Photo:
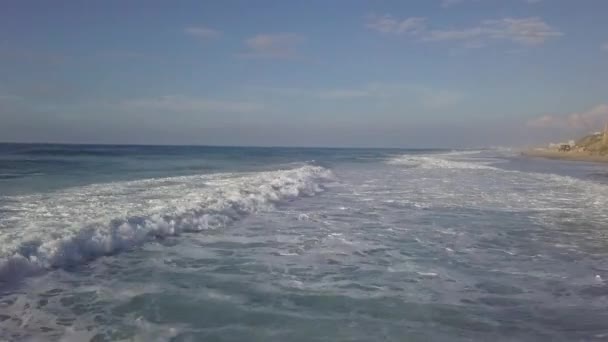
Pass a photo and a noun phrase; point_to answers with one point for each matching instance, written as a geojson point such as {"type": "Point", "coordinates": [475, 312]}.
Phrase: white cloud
{"type": "Point", "coordinates": [592, 119]}
{"type": "Point", "coordinates": [523, 31]}
{"type": "Point", "coordinates": [604, 47]}
{"type": "Point", "coordinates": [274, 45]}
{"type": "Point", "coordinates": [181, 103]}
{"type": "Point", "coordinates": [531, 31]}
{"type": "Point", "coordinates": [463, 34]}
{"type": "Point", "coordinates": [202, 32]}
{"type": "Point", "coordinates": [388, 24]}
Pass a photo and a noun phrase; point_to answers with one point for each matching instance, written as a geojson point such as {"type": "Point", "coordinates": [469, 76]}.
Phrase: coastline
{"type": "Point", "coordinates": [571, 155]}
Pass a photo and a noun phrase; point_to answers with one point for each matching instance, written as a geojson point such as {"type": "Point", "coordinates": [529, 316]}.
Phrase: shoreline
{"type": "Point", "coordinates": [572, 155]}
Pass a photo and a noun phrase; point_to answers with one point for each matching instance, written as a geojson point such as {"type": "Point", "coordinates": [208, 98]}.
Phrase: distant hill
{"type": "Point", "coordinates": [592, 143]}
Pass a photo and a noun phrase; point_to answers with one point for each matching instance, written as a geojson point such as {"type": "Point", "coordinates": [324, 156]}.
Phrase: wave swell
{"type": "Point", "coordinates": [55, 230]}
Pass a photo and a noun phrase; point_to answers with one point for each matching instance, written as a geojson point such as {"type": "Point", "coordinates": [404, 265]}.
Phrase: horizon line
{"type": "Point", "coordinates": [234, 146]}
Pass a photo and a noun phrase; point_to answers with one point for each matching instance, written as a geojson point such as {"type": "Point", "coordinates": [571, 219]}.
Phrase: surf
{"type": "Point", "coordinates": [73, 226]}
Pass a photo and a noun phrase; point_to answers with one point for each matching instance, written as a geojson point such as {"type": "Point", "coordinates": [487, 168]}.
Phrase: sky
{"type": "Point", "coordinates": [427, 73]}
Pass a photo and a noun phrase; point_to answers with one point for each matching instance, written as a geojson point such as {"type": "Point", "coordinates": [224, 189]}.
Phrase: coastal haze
{"type": "Point", "coordinates": [319, 171]}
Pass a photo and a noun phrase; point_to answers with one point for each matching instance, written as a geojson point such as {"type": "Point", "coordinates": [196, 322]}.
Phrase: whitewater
{"type": "Point", "coordinates": [72, 226]}
{"type": "Point", "coordinates": [134, 243]}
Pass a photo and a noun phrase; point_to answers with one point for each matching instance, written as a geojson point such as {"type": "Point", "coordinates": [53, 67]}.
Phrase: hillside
{"type": "Point", "coordinates": [592, 143]}
{"type": "Point", "coordinates": [590, 148]}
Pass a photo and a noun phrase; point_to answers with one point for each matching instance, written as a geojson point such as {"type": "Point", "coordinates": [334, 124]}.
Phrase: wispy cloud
{"type": "Point", "coordinates": [388, 24]}
{"type": "Point", "coordinates": [451, 3]}
{"type": "Point", "coordinates": [202, 32]}
{"type": "Point", "coordinates": [375, 92]}
{"type": "Point", "coordinates": [527, 31]}
{"type": "Point", "coordinates": [594, 118]}
{"type": "Point", "coordinates": [181, 103]}
{"type": "Point", "coordinates": [524, 31]}
{"type": "Point", "coordinates": [273, 45]}
{"type": "Point", "coordinates": [604, 47]}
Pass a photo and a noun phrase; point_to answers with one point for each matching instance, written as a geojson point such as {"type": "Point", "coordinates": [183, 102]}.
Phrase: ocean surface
{"type": "Point", "coordinates": [150, 243]}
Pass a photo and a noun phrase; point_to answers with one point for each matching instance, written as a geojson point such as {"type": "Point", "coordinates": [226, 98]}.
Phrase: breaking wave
{"type": "Point", "coordinates": [438, 162]}
{"type": "Point", "coordinates": [55, 230]}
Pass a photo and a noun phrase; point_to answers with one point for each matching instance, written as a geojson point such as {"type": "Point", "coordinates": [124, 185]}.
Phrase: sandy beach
{"type": "Point", "coordinates": [571, 155]}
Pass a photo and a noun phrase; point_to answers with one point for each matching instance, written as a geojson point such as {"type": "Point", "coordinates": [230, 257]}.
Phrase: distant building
{"type": "Point", "coordinates": [562, 146]}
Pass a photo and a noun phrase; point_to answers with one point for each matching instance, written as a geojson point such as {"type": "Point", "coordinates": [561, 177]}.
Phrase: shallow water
{"type": "Point", "coordinates": [233, 244]}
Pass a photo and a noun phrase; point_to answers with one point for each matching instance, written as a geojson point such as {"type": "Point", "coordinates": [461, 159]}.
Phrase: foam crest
{"type": "Point", "coordinates": [69, 227]}
{"type": "Point", "coordinates": [436, 162]}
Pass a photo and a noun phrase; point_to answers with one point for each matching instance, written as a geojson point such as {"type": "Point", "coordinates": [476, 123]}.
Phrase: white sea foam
{"type": "Point", "coordinates": [63, 228]}
{"type": "Point", "coordinates": [437, 162]}
{"type": "Point", "coordinates": [500, 189]}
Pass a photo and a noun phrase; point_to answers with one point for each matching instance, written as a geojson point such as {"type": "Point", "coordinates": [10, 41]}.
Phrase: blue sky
{"type": "Point", "coordinates": [422, 73]}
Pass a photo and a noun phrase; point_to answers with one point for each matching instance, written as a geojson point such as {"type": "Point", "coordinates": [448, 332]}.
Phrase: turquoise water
{"type": "Point", "coordinates": [132, 243]}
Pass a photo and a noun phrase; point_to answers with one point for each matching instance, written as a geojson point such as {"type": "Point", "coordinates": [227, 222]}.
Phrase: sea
{"type": "Point", "coordinates": [194, 243]}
